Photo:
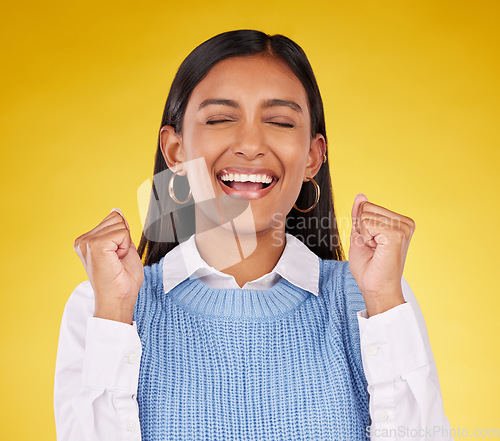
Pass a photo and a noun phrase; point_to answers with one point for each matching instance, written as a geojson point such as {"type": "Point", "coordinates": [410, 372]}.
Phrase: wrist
{"type": "Point", "coordinates": [382, 303]}
{"type": "Point", "coordinates": [115, 314]}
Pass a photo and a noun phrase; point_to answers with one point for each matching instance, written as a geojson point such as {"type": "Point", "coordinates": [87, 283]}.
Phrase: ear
{"type": "Point", "coordinates": [171, 148]}
{"type": "Point", "coordinates": [315, 155]}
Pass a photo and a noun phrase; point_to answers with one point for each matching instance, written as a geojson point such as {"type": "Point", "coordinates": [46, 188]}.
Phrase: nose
{"type": "Point", "coordinates": [250, 142]}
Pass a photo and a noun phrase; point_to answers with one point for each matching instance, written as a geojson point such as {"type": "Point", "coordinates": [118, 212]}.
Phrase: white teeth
{"type": "Point", "coordinates": [244, 178]}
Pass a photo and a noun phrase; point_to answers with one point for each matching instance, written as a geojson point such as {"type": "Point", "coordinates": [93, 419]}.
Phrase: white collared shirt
{"type": "Point", "coordinates": [97, 367]}
{"type": "Point", "coordinates": [185, 261]}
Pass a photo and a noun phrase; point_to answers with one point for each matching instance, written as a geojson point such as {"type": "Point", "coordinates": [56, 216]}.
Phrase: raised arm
{"type": "Point", "coordinates": [96, 376]}
{"type": "Point", "coordinates": [405, 395]}
{"type": "Point", "coordinates": [99, 350]}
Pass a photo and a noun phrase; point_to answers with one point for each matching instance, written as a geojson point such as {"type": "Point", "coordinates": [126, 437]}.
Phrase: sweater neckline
{"type": "Point", "coordinates": [237, 304]}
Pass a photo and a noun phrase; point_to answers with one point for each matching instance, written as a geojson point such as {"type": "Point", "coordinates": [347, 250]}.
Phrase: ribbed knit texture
{"type": "Point", "coordinates": [239, 364]}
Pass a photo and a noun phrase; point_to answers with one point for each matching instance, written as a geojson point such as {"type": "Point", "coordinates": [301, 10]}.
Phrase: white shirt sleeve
{"type": "Point", "coordinates": [405, 395]}
{"type": "Point", "coordinates": [96, 375]}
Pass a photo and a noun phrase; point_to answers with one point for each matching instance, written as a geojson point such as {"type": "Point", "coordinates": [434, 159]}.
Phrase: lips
{"type": "Point", "coordinates": [248, 183]}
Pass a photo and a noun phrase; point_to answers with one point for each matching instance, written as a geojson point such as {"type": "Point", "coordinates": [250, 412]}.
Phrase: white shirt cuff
{"type": "Point", "coordinates": [391, 344]}
{"type": "Point", "coordinates": [112, 355]}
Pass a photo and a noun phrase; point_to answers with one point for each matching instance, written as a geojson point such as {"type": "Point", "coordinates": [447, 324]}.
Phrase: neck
{"type": "Point", "coordinates": [244, 255]}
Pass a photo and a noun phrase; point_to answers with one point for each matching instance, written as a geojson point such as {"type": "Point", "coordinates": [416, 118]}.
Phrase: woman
{"type": "Point", "coordinates": [246, 322]}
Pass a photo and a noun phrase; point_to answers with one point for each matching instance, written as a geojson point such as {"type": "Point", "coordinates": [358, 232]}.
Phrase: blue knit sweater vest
{"type": "Point", "coordinates": [240, 364]}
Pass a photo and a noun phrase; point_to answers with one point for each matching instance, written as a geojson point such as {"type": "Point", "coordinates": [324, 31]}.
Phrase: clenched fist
{"type": "Point", "coordinates": [113, 265]}
{"type": "Point", "coordinates": [379, 243]}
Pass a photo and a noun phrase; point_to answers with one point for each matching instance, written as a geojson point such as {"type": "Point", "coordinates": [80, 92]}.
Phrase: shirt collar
{"type": "Point", "coordinates": [297, 264]}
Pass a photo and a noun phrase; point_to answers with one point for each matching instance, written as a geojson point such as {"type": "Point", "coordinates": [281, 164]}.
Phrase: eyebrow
{"type": "Point", "coordinates": [266, 104]}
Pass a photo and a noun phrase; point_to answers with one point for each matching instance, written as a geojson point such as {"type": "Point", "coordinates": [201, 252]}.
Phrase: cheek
{"type": "Point", "coordinates": [198, 145]}
{"type": "Point", "coordinates": [292, 182]}
{"type": "Point", "coordinates": [294, 163]}
{"type": "Point", "coordinates": [294, 159]}
{"type": "Point", "coordinates": [293, 188]}
{"type": "Point", "coordinates": [290, 145]}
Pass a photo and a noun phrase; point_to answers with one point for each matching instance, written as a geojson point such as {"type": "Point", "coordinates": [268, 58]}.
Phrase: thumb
{"type": "Point", "coordinates": [360, 197]}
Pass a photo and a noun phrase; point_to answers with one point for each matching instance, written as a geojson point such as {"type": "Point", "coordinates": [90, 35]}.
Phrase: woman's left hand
{"type": "Point", "coordinates": [377, 253]}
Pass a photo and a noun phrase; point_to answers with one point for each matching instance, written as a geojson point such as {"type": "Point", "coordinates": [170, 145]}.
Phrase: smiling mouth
{"type": "Point", "coordinates": [249, 186]}
{"type": "Point", "coordinates": [244, 182]}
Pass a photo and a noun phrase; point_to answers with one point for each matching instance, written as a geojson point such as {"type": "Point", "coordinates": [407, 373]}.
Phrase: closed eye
{"type": "Point", "coordinates": [286, 125]}
{"type": "Point", "coordinates": [218, 121]}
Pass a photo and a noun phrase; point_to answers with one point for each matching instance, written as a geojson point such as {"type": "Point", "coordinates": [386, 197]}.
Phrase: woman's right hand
{"type": "Point", "coordinates": [113, 265]}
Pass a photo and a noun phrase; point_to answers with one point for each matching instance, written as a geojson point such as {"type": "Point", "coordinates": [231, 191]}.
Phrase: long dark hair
{"type": "Point", "coordinates": [317, 228]}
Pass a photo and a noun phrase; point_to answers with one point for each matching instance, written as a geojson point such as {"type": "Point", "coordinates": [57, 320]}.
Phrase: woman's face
{"type": "Point", "coordinates": [249, 120]}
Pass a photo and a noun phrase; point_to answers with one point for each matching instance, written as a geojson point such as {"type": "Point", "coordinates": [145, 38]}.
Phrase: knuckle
{"type": "Point", "coordinates": [396, 222]}
{"type": "Point", "coordinates": [409, 221]}
{"type": "Point", "coordinates": [79, 242]}
{"type": "Point", "coordinates": [400, 234]}
{"type": "Point", "coordinates": [407, 228]}
{"type": "Point", "coordinates": [92, 242]}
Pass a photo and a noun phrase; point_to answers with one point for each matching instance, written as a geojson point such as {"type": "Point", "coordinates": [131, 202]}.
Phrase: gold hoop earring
{"type": "Point", "coordinates": [171, 190]}
{"type": "Point", "coordinates": [316, 188]}
{"type": "Point", "coordinates": [324, 159]}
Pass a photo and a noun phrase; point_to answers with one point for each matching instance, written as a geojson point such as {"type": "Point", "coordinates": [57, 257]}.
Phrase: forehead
{"type": "Point", "coordinates": [257, 77]}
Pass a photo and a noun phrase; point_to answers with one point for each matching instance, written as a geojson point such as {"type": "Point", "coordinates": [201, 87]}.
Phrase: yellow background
{"type": "Point", "coordinates": [411, 94]}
